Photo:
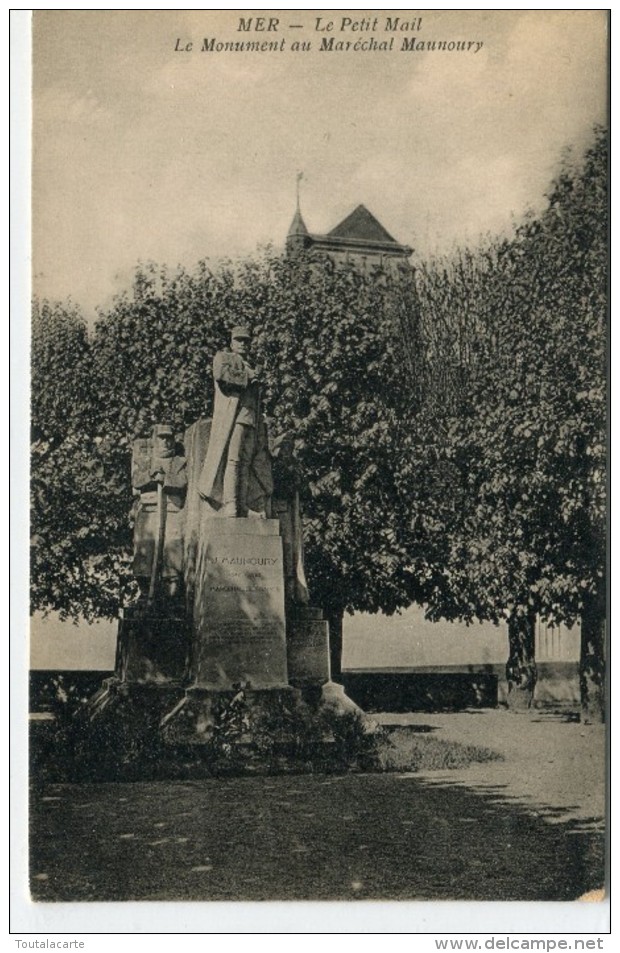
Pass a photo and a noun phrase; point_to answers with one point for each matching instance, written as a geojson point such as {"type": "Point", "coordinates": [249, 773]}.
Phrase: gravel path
{"type": "Point", "coordinates": [553, 766]}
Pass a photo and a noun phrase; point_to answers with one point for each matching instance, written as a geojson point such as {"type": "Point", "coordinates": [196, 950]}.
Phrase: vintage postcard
{"type": "Point", "coordinates": [318, 466]}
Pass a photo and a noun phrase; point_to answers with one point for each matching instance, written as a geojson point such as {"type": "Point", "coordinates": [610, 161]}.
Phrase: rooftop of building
{"type": "Point", "coordinates": [359, 231]}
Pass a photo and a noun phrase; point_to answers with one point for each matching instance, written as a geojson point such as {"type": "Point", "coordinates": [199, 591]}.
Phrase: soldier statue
{"type": "Point", "coordinates": [236, 475]}
{"type": "Point", "coordinates": [159, 480]}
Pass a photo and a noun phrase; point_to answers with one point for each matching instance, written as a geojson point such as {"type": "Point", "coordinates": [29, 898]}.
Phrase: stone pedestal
{"type": "Point", "coordinates": [307, 643]}
{"type": "Point", "coordinates": [239, 636]}
{"type": "Point", "coordinates": [242, 683]}
{"type": "Point", "coordinates": [151, 649]}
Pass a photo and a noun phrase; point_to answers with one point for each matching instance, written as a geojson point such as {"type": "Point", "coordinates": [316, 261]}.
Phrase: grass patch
{"type": "Point", "coordinates": [405, 750]}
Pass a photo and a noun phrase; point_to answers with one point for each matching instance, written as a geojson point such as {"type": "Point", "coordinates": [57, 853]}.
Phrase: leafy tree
{"type": "Point", "coordinates": [522, 429]}
{"type": "Point", "coordinates": [332, 345]}
{"type": "Point", "coordinates": [74, 554]}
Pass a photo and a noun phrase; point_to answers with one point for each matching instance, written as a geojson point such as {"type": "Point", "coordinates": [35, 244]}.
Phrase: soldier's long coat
{"type": "Point", "coordinates": [231, 376]}
{"type": "Point", "coordinates": [225, 410]}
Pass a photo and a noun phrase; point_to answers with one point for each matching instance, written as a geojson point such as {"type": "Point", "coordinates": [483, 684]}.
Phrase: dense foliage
{"type": "Point", "coordinates": [519, 330]}
{"type": "Point", "coordinates": [451, 425]}
{"type": "Point", "coordinates": [77, 550]}
{"type": "Point", "coordinates": [329, 344]}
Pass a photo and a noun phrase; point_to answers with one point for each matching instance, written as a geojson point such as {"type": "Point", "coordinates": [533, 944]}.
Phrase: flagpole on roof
{"type": "Point", "coordinates": [300, 176]}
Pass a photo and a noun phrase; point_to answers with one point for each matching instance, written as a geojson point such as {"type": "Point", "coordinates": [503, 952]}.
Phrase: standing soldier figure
{"type": "Point", "coordinates": [159, 480]}
{"type": "Point", "coordinates": [236, 475]}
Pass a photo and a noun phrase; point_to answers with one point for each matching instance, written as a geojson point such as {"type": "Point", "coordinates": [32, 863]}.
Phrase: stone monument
{"type": "Point", "coordinates": [153, 636]}
{"type": "Point", "coordinates": [224, 606]}
{"type": "Point", "coordinates": [237, 606]}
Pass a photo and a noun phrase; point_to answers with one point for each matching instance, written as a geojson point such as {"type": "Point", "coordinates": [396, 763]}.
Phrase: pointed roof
{"type": "Point", "coordinates": [358, 235]}
{"type": "Point", "coordinates": [361, 225]}
{"type": "Point", "coordinates": [298, 226]}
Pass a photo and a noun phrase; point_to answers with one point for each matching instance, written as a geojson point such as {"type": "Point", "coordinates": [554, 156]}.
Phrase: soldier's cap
{"type": "Point", "coordinates": [161, 430]}
{"type": "Point", "coordinates": [240, 331]}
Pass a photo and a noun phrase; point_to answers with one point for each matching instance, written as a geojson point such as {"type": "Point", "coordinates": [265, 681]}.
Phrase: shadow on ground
{"type": "Point", "coordinates": [381, 836]}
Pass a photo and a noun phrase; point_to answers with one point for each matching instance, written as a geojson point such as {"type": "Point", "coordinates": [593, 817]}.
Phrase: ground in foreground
{"type": "Point", "coordinates": [390, 836]}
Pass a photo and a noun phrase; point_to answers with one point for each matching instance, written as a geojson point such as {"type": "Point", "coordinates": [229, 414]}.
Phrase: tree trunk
{"type": "Point", "coordinates": [334, 619]}
{"type": "Point", "coordinates": [592, 660]}
{"type": "Point", "coordinates": [521, 671]}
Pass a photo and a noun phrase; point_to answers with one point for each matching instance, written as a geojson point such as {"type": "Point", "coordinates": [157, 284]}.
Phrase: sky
{"type": "Point", "coordinates": [144, 152]}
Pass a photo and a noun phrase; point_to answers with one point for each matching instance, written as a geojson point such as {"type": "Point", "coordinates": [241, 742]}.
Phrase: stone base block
{"type": "Point", "coordinates": [132, 732]}
{"type": "Point", "coordinates": [229, 717]}
{"type": "Point", "coordinates": [334, 698]}
{"type": "Point", "coordinates": [133, 703]}
{"type": "Point", "coordinates": [151, 649]}
{"type": "Point", "coordinates": [307, 647]}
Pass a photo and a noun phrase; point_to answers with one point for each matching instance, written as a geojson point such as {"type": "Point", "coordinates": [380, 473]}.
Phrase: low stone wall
{"type": "Point", "coordinates": [414, 691]}
{"type": "Point", "coordinates": [557, 687]}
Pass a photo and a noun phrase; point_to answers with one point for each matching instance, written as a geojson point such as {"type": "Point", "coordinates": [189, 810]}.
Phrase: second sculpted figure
{"type": "Point", "coordinates": [236, 477]}
{"type": "Point", "coordinates": [159, 479]}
